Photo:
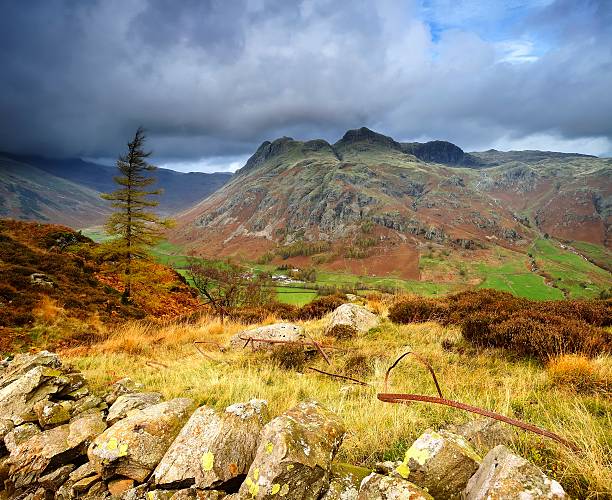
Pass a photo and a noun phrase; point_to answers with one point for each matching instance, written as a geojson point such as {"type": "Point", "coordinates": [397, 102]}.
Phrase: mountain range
{"type": "Point", "coordinates": [378, 202]}
{"type": "Point", "coordinates": [67, 191]}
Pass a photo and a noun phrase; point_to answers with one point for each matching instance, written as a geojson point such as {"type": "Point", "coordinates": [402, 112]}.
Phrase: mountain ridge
{"type": "Point", "coordinates": [307, 191]}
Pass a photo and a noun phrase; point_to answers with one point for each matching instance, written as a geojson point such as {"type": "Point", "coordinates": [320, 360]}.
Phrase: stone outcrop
{"type": "Point", "coordinates": [349, 320]}
{"type": "Point", "coordinates": [214, 449]}
{"type": "Point", "coordinates": [278, 331]}
{"type": "Point", "coordinates": [504, 476]}
{"type": "Point", "coordinates": [60, 441]}
{"type": "Point", "coordinates": [379, 487]}
{"type": "Point", "coordinates": [134, 446]}
{"type": "Point", "coordinates": [440, 462]}
{"type": "Point", "coordinates": [127, 403]}
{"type": "Point", "coordinates": [295, 454]}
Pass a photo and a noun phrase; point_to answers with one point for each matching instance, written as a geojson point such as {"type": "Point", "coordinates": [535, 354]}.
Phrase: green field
{"type": "Point", "coordinates": [561, 273]}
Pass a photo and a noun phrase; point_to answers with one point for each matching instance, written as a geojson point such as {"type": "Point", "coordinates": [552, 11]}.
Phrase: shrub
{"type": "Point", "coordinates": [289, 357]}
{"type": "Point", "coordinates": [357, 365]}
{"type": "Point", "coordinates": [320, 307]}
{"type": "Point", "coordinates": [418, 310]}
{"type": "Point", "coordinates": [342, 332]}
{"type": "Point", "coordinates": [579, 373]}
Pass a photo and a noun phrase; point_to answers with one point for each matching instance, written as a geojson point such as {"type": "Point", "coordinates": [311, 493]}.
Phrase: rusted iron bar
{"type": "Point", "coordinates": [156, 364]}
{"type": "Point", "coordinates": [421, 360]}
{"type": "Point", "coordinates": [197, 348]}
{"type": "Point", "coordinates": [406, 398]}
{"type": "Point", "coordinates": [357, 381]}
{"type": "Point", "coordinates": [297, 342]}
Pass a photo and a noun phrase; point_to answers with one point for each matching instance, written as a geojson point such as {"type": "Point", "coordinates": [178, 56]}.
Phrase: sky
{"type": "Point", "coordinates": [211, 79]}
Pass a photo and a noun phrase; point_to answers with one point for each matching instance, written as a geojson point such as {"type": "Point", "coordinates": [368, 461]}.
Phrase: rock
{"type": "Point", "coordinates": [213, 448]}
{"type": "Point", "coordinates": [124, 386]}
{"type": "Point", "coordinates": [42, 280]}
{"type": "Point", "coordinates": [278, 331]}
{"type": "Point", "coordinates": [117, 487]}
{"type": "Point", "coordinates": [484, 434]}
{"type": "Point", "coordinates": [20, 434]}
{"type": "Point", "coordinates": [85, 404]}
{"type": "Point", "coordinates": [51, 414]}
{"type": "Point", "coordinates": [345, 482]}
{"type": "Point", "coordinates": [134, 446]}
{"type": "Point", "coordinates": [17, 399]}
{"type": "Point", "coordinates": [6, 426]}
{"type": "Point", "coordinates": [97, 491]}
{"type": "Point", "coordinates": [128, 402]}
{"type": "Point", "coordinates": [55, 479]}
{"type": "Point", "coordinates": [503, 475]}
{"type": "Point", "coordinates": [379, 487]}
{"type": "Point", "coordinates": [349, 320]}
{"type": "Point", "coordinates": [51, 448]}
{"type": "Point", "coordinates": [386, 467]}
{"type": "Point", "coordinates": [294, 455]}
{"type": "Point", "coordinates": [440, 462]}
{"type": "Point", "coordinates": [75, 382]}
{"type": "Point", "coordinates": [23, 363]}
{"type": "Point", "coordinates": [84, 484]}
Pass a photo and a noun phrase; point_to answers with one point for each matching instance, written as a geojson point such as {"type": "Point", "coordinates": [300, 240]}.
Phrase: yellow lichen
{"type": "Point", "coordinates": [284, 490]}
{"type": "Point", "coordinates": [419, 455]}
{"type": "Point", "coordinates": [290, 466]}
{"type": "Point", "coordinates": [256, 474]}
{"type": "Point", "coordinates": [275, 488]}
{"type": "Point", "coordinates": [207, 461]}
{"type": "Point", "coordinates": [123, 449]}
{"type": "Point", "coordinates": [111, 444]}
{"type": "Point", "coordinates": [269, 448]}
{"type": "Point", "coordinates": [254, 489]}
{"type": "Point", "coordinates": [403, 470]}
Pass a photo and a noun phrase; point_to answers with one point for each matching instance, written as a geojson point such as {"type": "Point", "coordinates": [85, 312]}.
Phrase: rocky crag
{"type": "Point", "coordinates": [368, 191]}
{"type": "Point", "coordinates": [60, 440]}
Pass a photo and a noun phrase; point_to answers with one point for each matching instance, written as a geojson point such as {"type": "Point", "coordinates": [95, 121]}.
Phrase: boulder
{"type": "Point", "coordinates": [6, 426]}
{"type": "Point", "coordinates": [213, 449]}
{"type": "Point", "coordinates": [47, 450]}
{"type": "Point", "coordinates": [345, 481]}
{"type": "Point", "coordinates": [440, 462]}
{"type": "Point", "coordinates": [504, 476]}
{"type": "Point", "coordinates": [117, 487]}
{"type": "Point", "coordinates": [23, 363]}
{"type": "Point", "coordinates": [123, 386]}
{"type": "Point", "coordinates": [484, 434]}
{"type": "Point", "coordinates": [349, 320]}
{"type": "Point", "coordinates": [51, 414]}
{"type": "Point", "coordinates": [278, 331]}
{"type": "Point", "coordinates": [294, 455]}
{"type": "Point", "coordinates": [55, 479]}
{"type": "Point", "coordinates": [17, 398]}
{"type": "Point", "coordinates": [129, 402]}
{"type": "Point", "coordinates": [379, 487]}
{"type": "Point", "coordinates": [20, 434]}
{"type": "Point", "coordinates": [134, 446]}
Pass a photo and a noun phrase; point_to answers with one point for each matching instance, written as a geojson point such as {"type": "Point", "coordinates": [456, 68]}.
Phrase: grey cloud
{"type": "Point", "coordinates": [214, 79]}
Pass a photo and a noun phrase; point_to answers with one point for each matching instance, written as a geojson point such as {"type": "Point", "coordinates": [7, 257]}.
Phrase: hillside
{"type": "Point", "coordinates": [372, 205]}
{"type": "Point", "coordinates": [66, 191]}
{"type": "Point", "coordinates": [29, 193]}
{"type": "Point", "coordinates": [55, 288]}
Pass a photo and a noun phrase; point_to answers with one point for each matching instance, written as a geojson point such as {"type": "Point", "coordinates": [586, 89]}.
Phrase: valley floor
{"type": "Point", "coordinates": [164, 359]}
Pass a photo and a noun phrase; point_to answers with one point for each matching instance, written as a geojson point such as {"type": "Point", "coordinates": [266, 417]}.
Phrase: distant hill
{"type": "Point", "coordinates": [29, 193]}
{"type": "Point", "coordinates": [377, 203]}
{"type": "Point", "coordinates": [67, 191]}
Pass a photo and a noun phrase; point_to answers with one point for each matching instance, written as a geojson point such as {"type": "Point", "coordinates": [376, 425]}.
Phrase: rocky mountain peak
{"type": "Point", "coordinates": [436, 152]}
{"type": "Point", "coordinates": [365, 135]}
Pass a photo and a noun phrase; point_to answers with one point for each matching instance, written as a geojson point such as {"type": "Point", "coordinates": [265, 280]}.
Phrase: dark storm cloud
{"type": "Point", "coordinates": [212, 78]}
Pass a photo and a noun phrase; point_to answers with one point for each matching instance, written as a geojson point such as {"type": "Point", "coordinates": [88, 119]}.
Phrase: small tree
{"type": "Point", "coordinates": [229, 286]}
{"type": "Point", "coordinates": [133, 226]}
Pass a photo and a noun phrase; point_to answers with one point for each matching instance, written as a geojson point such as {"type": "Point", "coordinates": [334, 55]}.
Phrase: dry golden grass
{"type": "Point", "coordinates": [581, 374]}
{"type": "Point", "coordinates": [376, 430]}
{"type": "Point", "coordinates": [47, 311]}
